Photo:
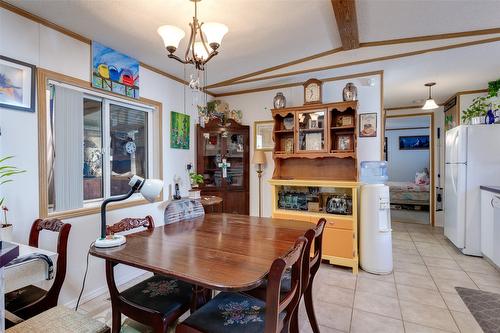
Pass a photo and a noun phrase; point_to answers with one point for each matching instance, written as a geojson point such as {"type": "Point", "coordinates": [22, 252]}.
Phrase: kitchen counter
{"type": "Point", "coordinates": [494, 189]}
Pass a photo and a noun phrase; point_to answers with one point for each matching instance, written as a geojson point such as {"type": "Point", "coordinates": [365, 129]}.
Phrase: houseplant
{"type": "Point", "coordinates": [196, 180]}
{"type": "Point", "coordinates": [6, 173]}
{"type": "Point", "coordinates": [476, 112]}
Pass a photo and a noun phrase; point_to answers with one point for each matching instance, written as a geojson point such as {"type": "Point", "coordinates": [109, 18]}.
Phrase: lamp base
{"type": "Point", "coordinates": [115, 240]}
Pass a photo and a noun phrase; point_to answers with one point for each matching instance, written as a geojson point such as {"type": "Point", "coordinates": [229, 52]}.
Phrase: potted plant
{"type": "Point", "coordinates": [6, 173]}
{"type": "Point", "coordinates": [476, 112]}
{"type": "Point", "coordinates": [196, 180]}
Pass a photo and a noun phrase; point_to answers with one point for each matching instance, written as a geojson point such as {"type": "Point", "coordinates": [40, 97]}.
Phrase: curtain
{"type": "Point", "coordinates": [68, 149]}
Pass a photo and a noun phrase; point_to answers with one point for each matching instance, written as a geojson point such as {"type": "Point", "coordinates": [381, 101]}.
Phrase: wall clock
{"type": "Point", "coordinates": [312, 91]}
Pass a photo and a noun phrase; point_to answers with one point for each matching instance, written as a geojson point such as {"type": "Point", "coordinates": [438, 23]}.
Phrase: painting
{"type": "Point", "coordinates": [367, 125]}
{"type": "Point", "coordinates": [17, 85]}
{"type": "Point", "coordinates": [263, 135]}
{"type": "Point", "coordinates": [414, 142]}
{"type": "Point", "coordinates": [114, 71]}
{"type": "Point", "coordinates": [179, 130]}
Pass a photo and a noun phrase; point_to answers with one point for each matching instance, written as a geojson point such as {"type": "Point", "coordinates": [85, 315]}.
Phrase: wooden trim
{"type": "Point", "coordinates": [382, 117]}
{"type": "Point", "coordinates": [366, 44]}
{"type": "Point", "coordinates": [296, 84]}
{"type": "Point", "coordinates": [43, 76]}
{"type": "Point", "coordinates": [467, 92]}
{"type": "Point", "coordinates": [159, 71]}
{"type": "Point", "coordinates": [432, 191]}
{"type": "Point", "coordinates": [347, 23]}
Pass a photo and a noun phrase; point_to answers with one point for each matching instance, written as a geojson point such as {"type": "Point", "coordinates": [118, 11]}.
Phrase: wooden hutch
{"type": "Point", "coordinates": [315, 175]}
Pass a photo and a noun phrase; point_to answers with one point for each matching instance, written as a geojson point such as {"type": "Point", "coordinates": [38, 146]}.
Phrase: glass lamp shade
{"type": "Point", "coordinates": [259, 157]}
{"type": "Point", "coordinates": [214, 32]}
{"type": "Point", "coordinates": [199, 51]}
{"type": "Point", "coordinates": [171, 35]}
{"type": "Point", "coordinates": [430, 104]}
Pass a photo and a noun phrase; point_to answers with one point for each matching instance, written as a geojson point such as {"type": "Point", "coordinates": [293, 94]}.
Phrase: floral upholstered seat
{"type": "Point", "coordinates": [159, 293]}
{"type": "Point", "coordinates": [183, 209]}
{"type": "Point", "coordinates": [230, 312]}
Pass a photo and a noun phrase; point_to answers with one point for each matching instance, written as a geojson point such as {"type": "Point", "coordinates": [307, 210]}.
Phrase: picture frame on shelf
{"type": "Point", "coordinates": [367, 125]}
{"type": "Point", "coordinates": [314, 141]}
{"type": "Point", "coordinates": [289, 145]}
{"type": "Point", "coordinates": [344, 143]}
{"type": "Point", "coordinates": [344, 121]}
{"type": "Point", "coordinates": [263, 135]}
{"type": "Point", "coordinates": [17, 83]}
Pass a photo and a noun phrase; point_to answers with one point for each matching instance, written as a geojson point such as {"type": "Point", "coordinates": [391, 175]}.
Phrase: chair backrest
{"type": "Point", "coordinates": [130, 223]}
{"type": "Point", "coordinates": [184, 209]}
{"type": "Point", "coordinates": [276, 302]}
{"type": "Point", "coordinates": [54, 225]}
{"type": "Point", "coordinates": [315, 261]}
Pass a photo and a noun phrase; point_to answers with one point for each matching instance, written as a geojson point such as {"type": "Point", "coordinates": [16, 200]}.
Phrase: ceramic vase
{"type": "Point", "coordinates": [279, 101]}
{"type": "Point", "coordinates": [6, 232]}
{"type": "Point", "coordinates": [350, 92]}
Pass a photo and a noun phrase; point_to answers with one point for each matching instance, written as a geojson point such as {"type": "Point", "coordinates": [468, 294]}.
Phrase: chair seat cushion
{"type": "Point", "coordinates": [286, 282]}
{"type": "Point", "coordinates": [230, 312]}
{"type": "Point", "coordinates": [160, 293]}
{"type": "Point", "coordinates": [59, 320]}
{"type": "Point", "coordinates": [19, 298]}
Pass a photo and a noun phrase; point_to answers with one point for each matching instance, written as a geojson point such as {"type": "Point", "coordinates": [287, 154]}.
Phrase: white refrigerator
{"type": "Point", "coordinates": [472, 159]}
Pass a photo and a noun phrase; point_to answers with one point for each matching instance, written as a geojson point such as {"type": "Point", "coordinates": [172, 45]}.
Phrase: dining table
{"type": "Point", "coordinates": [225, 252]}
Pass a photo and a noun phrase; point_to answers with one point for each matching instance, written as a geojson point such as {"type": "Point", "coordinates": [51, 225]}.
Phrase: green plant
{"type": "Point", "coordinates": [196, 179]}
{"type": "Point", "coordinates": [478, 108]}
{"type": "Point", "coordinates": [493, 88]}
{"type": "Point", "coordinates": [6, 173]}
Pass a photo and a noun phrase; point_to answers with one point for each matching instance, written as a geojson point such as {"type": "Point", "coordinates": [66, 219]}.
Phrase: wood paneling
{"type": "Point", "coordinates": [347, 23]}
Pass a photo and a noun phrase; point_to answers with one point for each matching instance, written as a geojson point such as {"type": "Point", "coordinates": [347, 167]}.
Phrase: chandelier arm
{"type": "Point", "coordinates": [190, 46]}
{"type": "Point", "coordinates": [213, 54]}
{"type": "Point", "coordinates": [173, 56]}
{"type": "Point", "coordinates": [203, 41]}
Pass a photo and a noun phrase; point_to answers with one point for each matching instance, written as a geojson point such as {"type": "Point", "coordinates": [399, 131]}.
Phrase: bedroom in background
{"type": "Point", "coordinates": [408, 147]}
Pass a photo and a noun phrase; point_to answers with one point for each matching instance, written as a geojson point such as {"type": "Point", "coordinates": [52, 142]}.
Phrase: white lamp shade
{"type": "Point", "coordinates": [430, 104]}
{"type": "Point", "coordinates": [214, 32]}
{"type": "Point", "coordinates": [151, 189]}
{"type": "Point", "coordinates": [199, 51]}
{"type": "Point", "coordinates": [171, 35]}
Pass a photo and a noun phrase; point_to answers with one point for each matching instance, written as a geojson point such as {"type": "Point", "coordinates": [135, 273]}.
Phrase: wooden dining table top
{"type": "Point", "coordinates": [225, 252]}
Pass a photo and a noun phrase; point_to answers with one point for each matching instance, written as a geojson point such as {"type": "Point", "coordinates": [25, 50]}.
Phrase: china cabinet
{"type": "Point", "coordinates": [223, 160]}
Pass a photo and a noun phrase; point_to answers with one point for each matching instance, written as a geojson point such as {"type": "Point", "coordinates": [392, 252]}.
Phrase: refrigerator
{"type": "Point", "coordinates": [472, 159]}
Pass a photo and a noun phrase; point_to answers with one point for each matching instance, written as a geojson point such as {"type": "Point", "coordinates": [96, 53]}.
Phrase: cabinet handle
{"type": "Point", "coordinates": [331, 223]}
{"type": "Point", "coordinates": [492, 200]}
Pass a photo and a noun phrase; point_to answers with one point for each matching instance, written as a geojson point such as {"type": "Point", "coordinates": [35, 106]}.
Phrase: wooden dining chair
{"type": "Point", "coordinates": [31, 300]}
{"type": "Point", "coordinates": [238, 312]}
{"type": "Point", "coordinates": [156, 302]}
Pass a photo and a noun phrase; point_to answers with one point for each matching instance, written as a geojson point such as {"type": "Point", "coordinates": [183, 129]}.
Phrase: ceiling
{"type": "Point", "coordinates": [266, 33]}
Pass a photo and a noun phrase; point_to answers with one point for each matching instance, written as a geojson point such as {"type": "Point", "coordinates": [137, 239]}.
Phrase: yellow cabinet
{"type": "Point", "coordinates": [340, 238]}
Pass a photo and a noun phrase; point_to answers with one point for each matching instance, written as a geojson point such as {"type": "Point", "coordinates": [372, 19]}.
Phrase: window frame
{"type": "Point", "coordinates": [154, 136]}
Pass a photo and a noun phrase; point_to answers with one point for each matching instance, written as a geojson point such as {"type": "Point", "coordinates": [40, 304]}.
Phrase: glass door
{"type": "Point", "coordinates": [311, 131]}
{"type": "Point", "coordinates": [212, 158]}
{"type": "Point", "coordinates": [234, 159]}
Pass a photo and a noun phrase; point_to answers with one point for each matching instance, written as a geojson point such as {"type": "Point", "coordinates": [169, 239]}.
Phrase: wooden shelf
{"type": "Point", "coordinates": [342, 127]}
{"type": "Point", "coordinates": [314, 155]}
{"type": "Point", "coordinates": [311, 130]}
{"type": "Point", "coordinates": [284, 131]}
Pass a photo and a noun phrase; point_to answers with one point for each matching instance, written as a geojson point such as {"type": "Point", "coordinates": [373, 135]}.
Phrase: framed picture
{"type": "Point", "coordinates": [289, 145]}
{"type": "Point", "coordinates": [314, 141]}
{"type": "Point", "coordinates": [263, 135]}
{"type": "Point", "coordinates": [17, 85]}
{"type": "Point", "coordinates": [415, 142]}
{"type": "Point", "coordinates": [180, 125]}
{"type": "Point", "coordinates": [344, 142]}
{"type": "Point", "coordinates": [346, 120]}
{"type": "Point", "coordinates": [367, 125]}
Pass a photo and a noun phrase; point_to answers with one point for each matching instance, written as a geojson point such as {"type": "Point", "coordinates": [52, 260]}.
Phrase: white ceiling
{"type": "Point", "coordinates": [265, 33]}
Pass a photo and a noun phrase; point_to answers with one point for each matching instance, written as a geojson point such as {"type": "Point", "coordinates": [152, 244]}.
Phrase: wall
{"type": "Point", "coordinates": [28, 41]}
{"type": "Point", "coordinates": [256, 107]}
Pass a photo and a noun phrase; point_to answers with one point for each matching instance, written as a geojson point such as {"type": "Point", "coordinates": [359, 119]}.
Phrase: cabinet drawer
{"type": "Point", "coordinates": [338, 243]}
{"type": "Point", "coordinates": [297, 217]}
{"type": "Point", "coordinates": [338, 223]}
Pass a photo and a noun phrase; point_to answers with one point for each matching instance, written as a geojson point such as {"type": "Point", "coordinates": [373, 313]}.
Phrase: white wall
{"type": "Point", "coordinates": [403, 164]}
{"type": "Point", "coordinates": [28, 41]}
{"type": "Point", "coordinates": [256, 107]}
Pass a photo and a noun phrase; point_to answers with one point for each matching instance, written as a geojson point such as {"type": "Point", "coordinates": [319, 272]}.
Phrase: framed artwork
{"type": "Point", "coordinates": [17, 85]}
{"type": "Point", "coordinates": [367, 125]}
{"type": "Point", "coordinates": [414, 142]}
{"type": "Point", "coordinates": [114, 71]}
{"type": "Point", "coordinates": [289, 145]}
{"type": "Point", "coordinates": [344, 142]}
{"type": "Point", "coordinates": [314, 141]}
{"type": "Point", "coordinates": [180, 125]}
{"type": "Point", "coordinates": [263, 135]}
{"type": "Point", "coordinates": [344, 121]}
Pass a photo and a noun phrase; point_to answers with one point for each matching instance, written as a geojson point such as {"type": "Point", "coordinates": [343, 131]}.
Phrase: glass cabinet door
{"type": "Point", "coordinates": [235, 159]}
{"type": "Point", "coordinates": [212, 157]}
{"type": "Point", "coordinates": [311, 131]}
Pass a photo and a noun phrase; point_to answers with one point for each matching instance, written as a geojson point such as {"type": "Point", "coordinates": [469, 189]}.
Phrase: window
{"type": "Point", "coordinates": [94, 145]}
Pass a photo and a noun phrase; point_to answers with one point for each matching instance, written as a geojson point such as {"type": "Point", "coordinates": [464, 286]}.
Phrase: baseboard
{"type": "Point", "coordinates": [89, 295]}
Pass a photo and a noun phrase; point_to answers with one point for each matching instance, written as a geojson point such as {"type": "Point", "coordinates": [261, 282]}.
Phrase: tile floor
{"type": "Point", "coordinates": [418, 297]}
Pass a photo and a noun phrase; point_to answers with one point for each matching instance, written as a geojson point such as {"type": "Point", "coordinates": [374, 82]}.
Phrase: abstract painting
{"type": "Point", "coordinates": [17, 85]}
{"type": "Point", "coordinates": [114, 71]}
{"type": "Point", "coordinates": [415, 142]}
{"type": "Point", "coordinates": [179, 130]}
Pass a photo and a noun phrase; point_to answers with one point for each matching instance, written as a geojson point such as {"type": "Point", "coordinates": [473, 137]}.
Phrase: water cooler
{"type": "Point", "coordinates": [375, 239]}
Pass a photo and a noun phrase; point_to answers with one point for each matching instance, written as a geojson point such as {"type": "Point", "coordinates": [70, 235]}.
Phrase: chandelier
{"type": "Point", "coordinates": [203, 43]}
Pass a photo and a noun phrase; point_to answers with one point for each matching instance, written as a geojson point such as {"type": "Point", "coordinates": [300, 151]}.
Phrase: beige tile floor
{"type": "Point", "coordinates": [418, 297]}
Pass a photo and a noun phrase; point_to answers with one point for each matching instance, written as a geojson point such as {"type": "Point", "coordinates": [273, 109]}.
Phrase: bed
{"type": "Point", "coordinates": [409, 194]}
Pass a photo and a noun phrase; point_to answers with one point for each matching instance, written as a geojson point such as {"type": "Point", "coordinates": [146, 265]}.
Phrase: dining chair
{"type": "Point", "coordinates": [183, 209]}
{"type": "Point", "coordinates": [157, 301]}
{"type": "Point", "coordinates": [31, 300]}
{"type": "Point", "coordinates": [311, 267]}
{"type": "Point", "coordinates": [238, 312]}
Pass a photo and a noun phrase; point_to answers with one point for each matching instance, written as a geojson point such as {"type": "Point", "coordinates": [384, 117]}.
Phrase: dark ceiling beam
{"type": "Point", "coordinates": [347, 23]}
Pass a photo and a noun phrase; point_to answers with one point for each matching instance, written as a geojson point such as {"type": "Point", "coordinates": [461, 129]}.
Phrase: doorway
{"type": "Point", "coordinates": [409, 152]}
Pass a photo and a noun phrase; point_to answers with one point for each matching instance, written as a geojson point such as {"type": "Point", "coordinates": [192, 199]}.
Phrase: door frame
{"type": "Point", "coordinates": [432, 157]}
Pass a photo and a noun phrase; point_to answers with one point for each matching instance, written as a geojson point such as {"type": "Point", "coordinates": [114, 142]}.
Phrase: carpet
{"type": "Point", "coordinates": [484, 306]}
